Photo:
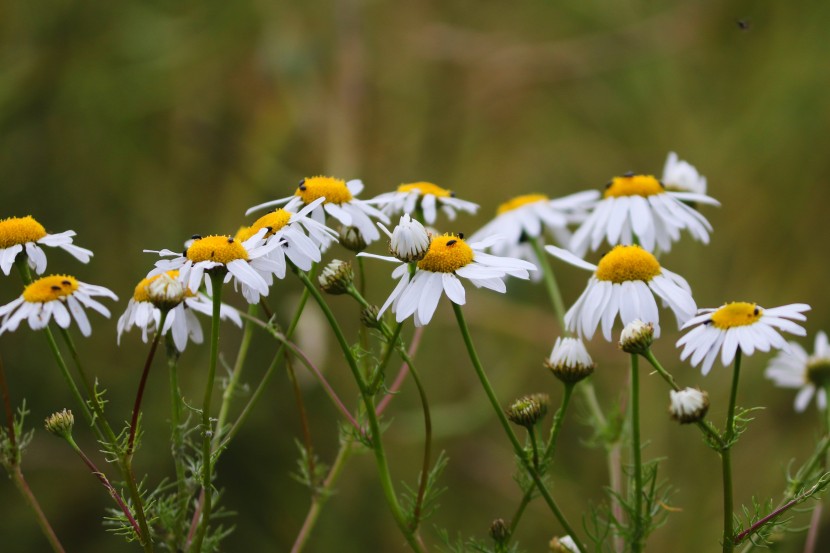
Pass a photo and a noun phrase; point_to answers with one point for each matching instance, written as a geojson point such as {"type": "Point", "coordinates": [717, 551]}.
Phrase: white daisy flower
{"type": "Point", "coordinates": [165, 290]}
{"type": "Point", "coordinates": [18, 234]}
{"type": "Point", "coordinates": [640, 206]}
{"type": "Point", "coordinates": [681, 176]}
{"type": "Point", "coordinates": [448, 258]}
{"type": "Point", "coordinates": [625, 281]}
{"type": "Point", "coordinates": [247, 263]}
{"type": "Point", "coordinates": [300, 237]}
{"type": "Point", "coordinates": [409, 240]}
{"type": "Point", "coordinates": [738, 325]}
{"type": "Point", "coordinates": [423, 196]}
{"type": "Point", "coordinates": [340, 202]}
{"type": "Point", "coordinates": [60, 296]}
{"type": "Point", "coordinates": [797, 369]}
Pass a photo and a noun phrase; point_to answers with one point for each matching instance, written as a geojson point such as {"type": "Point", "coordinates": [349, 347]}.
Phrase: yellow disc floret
{"type": "Point", "coordinates": [274, 221]}
{"type": "Point", "coordinates": [628, 263]}
{"type": "Point", "coordinates": [520, 201]}
{"type": "Point", "coordinates": [333, 190]}
{"type": "Point", "coordinates": [426, 188]}
{"type": "Point", "coordinates": [50, 288]}
{"type": "Point", "coordinates": [244, 233]}
{"type": "Point", "coordinates": [446, 254]}
{"type": "Point", "coordinates": [634, 185]}
{"type": "Point", "coordinates": [221, 249]}
{"type": "Point", "coordinates": [141, 289]}
{"type": "Point", "coordinates": [19, 230]}
{"type": "Point", "coordinates": [737, 313]}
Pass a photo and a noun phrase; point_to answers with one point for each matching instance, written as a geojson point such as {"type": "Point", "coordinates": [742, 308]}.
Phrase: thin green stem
{"type": "Point", "coordinates": [636, 453]}
{"type": "Point", "coordinates": [177, 443]}
{"type": "Point", "coordinates": [236, 373]}
{"type": "Point", "coordinates": [517, 447]}
{"type": "Point", "coordinates": [550, 281]}
{"type": "Point", "coordinates": [7, 407]}
{"type": "Point", "coordinates": [726, 460]}
{"type": "Point", "coordinates": [427, 458]}
{"type": "Point", "coordinates": [306, 428]}
{"type": "Point", "coordinates": [216, 279]}
{"type": "Point", "coordinates": [143, 382]}
{"type": "Point", "coordinates": [531, 431]}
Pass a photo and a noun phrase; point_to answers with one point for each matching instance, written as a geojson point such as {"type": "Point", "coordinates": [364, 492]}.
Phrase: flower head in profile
{"type": "Point", "coordinates": [448, 260]}
{"type": "Point", "coordinates": [424, 197]}
{"type": "Point", "coordinates": [795, 368]}
{"type": "Point", "coordinates": [639, 206]}
{"type": "Point", "coordinates": [61, 297]}
{"type": "Point", "coordinates": [246, 263]}
{"type": "Point", "coordinates": [409, 240]}
{"type": "Point", "coordinates": [625, 282]}
{"type": "Point", "coordinates": [25, 235]}
{"type": "Point", "coordinates": [735, 325]}
{"type": "Point", "coordinates": [299, 237]}
{"type": "Point", "coordinates": [569, 360]}
{"type": "Point", "coordinates": [166, 292]}
{"type": "Point", "coordinates": [688, 405]}
{"type": "Point", "coordinates": [339, 201]}
{"type": "Point", "coordinates": [681, 176]}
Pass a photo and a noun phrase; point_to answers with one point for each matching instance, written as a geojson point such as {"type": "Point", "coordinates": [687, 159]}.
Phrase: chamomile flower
{"type": "Point", "coordinates": [340, 202]}
{"type": "Point", "coordinates": [423, 196]}
{"type": "Point", "coordinates": [409, 240]}
{"type": "Point", "coordinates": [247, 263]}
{"type": "Point", "coordinates": [165, 291]}
{"type": "Point", "coordinates": [300, 237]}
{"type": "Point", "coordinates": [681, 176]}
{"type": "Point", "coordinates": [625, 282]}
{"type": "Point", "coordinates": [797, 369]}
{"type": "Point", "coordinates": [60, 296]}
{"type": "Point", "coordinates": [743, 325]}
{"type": "Point", "coordinates": [448, 258]}
{"type": "Point", "coordinates": [640, 206]}
{"type": "Point", "coordinates": [19, 234]}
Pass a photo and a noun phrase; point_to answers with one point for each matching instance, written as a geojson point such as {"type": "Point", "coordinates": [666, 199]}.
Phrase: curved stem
{"type": "Point", "coordinates": [517, 447]}
{"type": "Point", "coordinates": [638, 534]}
{"type": "Point", "coordinates": [23, 487]}
{"type": "Point", "coordinates": [142, 383]}
{"type": "Point", "coordinates": [726, 459]}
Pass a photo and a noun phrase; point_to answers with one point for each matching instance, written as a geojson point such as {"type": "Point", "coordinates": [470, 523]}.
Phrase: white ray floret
{"type": "Point", "coordinates": [735, 325]}
{"type": "Point", "coordinates": [624, 283]}
{"type": "Point", "coordinates": [795, 368]}
{"type": "Point", "coordinates": [425, 197]}
{"type": "Point", "coordinates": [681, 176]}
{"type": "Point", "coordinates": [25, 235]}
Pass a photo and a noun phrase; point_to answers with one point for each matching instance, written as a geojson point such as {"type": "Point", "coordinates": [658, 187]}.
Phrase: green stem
{"type": "Point", "coordinates": [236, 373]}
{"type": "Point", "coordinates": [177, 443]}
{"type": "Point", "coordinates": [638, 534]}
{"type": "Point", "coordinates": [304, 424]}
{"type": "Point", "coordinates": [143, 382]}
{"type": "Point", "coordinates": [517, 447]}
{"type": "Point", "coordinates": [216, 279]}
{"type": "Point", "coordinates": [726, 460]}
{"type": "Point", "coordinates": [23, 487]}
{"type": "Point", "coordinates": [550, 281]}
{"type": "Point", "coordinates": [374, 426]}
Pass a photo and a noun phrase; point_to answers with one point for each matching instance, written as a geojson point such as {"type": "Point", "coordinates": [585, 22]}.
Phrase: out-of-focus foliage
{"type": "Point", "coordinates": [138, 124]}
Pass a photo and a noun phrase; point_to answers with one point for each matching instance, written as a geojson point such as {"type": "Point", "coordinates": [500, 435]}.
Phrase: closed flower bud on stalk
{"type": "Point", "coordinates": [336, 277]}
{"type": "Point", "coordinates": [528, 410]}
{"type": "Point", "coordinates": [564, 544]}
{"type": "Point", "coordinates": [60, 423]}
{"type": "Point", "coordinates": [369, 316]}
{"type": "Point", "coordinates": [569, 361]}
{"type": "Point", "coordinates": [688, 405]}
{"type": "Point", "coordinates": [165, 292]}
{"type": "Point", "coordinates": [499, 531]}
{"type": "Point", "coordinates": [352, 239]}
{"type": "Point", "coordinates": [409, 241]}
{"type": "Point", "coordinates": [637, 337]}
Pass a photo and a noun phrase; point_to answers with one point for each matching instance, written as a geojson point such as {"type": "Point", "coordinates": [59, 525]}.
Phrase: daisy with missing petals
{"type": "Point", "coordinates": [424, 197]}
{"type": "Point", "coordinates": [811, 373]}
{"type": "Point", "coordinates": [339, 202]}
{"type": "Point", "coordinates": [681, 176]}
{"type": "Point", "coordinates": [448, 258]}
{"type": "Point", "coordinates": [625, 281]}
{"type": "Point", "coordinates": [640, 206]}
{"type": "Point", "coordinates": [743, 325]}
{"type": "Point", "coordinates": [300, 237]}
{"type": "Point", "coordinates": [24, 233]}
{"type": "Point", "coordinates": [60, 296]}
{"type": "Point", "coordinates": [164, 291]}
{"type": "Point", "coordinates": [247, 263]}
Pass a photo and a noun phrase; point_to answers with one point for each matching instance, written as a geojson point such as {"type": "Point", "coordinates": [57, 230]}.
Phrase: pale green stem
{"type": "Point", "coordinates": [236, 373]}
{"type": "Point", "coordinates": [638, 532]}
{"type": "Point", "coordinates": [550, 281]}
{"type": "Point", "coordinates": [726, 460]}
{"type": "Point", "coordinates": [517, 446]}
{"type": "Point", "coordinates": [177, 444]}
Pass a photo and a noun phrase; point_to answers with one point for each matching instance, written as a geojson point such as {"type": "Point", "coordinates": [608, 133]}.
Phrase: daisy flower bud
{"type": "Point", "coordinates": [336, 277]}
{"type": "Point", "coordinates": [409, 241]}
{"type": "Point", "coordinates": [569, 361]}
{"type": "Point", "coordinates": [369, 316]}
{"type": "Point", "coordinates": [60, 423]}
{"type": "Point", "coordinates": [528, 410]}
{"type": "Point", "coordinates": [637, 337]}
{"type": "Point", "coordinates": [165, 292]}
{"type": "Point", "coordinates": [688, 405]}
{"type": "Point", "coordinates": [352, 239]}
{"type": "Point", "coordinates": [564, 544]}
{"type": "Point", "coordinates": [499, 531]}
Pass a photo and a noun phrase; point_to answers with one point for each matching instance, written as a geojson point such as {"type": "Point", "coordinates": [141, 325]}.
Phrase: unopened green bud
{"type": "Point", "coordinates": [352, 239]}
{"type": "Point", "coordinates": [528, 410]}
{"type": "Point", "coordinates": [369, 316]}
{"type": "Point", "coordinates": [336, 277]}
{"type": "Point", "coordinates": [60, 423]}
{"type": "Point", "coordinates": [499, 531]}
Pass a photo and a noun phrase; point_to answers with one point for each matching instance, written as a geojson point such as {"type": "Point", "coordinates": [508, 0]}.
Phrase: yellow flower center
{"type": "Point", "coordinates": [221, 249]}
{"type": "Point", "coordinates": [141, 292]}
{"type": "Point", "coordinates": [333, 190]}
{"type": "Point", "coordinates": [628, 263]}
{"type": "Point", "coordinates": [634, 185]}
{"type": "Point", "coordinates": [274, 220]}
{"type": "Point", "coordinates": [19, 230]}
{"type": "Point", "coordinates": [737, 313]}
{"type": "Point", "coordinates": [446, 254]}
{"type": "Point", "coordinates": [244, 233]}
{"type": "Point", "coordinates": [520, 201]}
{"type": "Point", "coordinates": [50, 288]}
{"type": "Point", "coordinates": [426, 188]}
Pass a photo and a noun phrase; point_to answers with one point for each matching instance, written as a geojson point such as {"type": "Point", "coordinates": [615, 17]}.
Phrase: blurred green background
{"type": "Point", "coordinates": [138, 124]}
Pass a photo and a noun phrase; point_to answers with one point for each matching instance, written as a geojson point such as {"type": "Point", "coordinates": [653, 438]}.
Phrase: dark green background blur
{"type": "Point", "coordinates": [138, 124]}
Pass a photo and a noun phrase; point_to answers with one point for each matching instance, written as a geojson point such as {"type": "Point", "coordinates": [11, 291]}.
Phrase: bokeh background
{"type": "Point", "coordinates": [138, 124]}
